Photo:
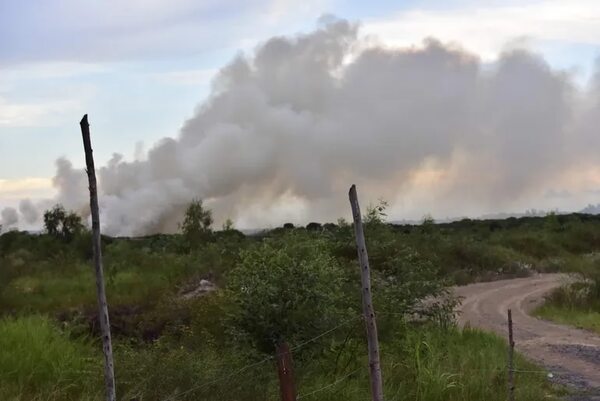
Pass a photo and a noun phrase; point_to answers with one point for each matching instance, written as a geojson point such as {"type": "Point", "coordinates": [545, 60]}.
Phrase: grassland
{"type": "Point", "coordinates": [577, 302]}
{"type": "Point", "coordinates": [216, 347]}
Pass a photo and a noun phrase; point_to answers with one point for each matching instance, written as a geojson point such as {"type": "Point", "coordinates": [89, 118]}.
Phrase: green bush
{"type": "Point", "coordinates": [285, 291]}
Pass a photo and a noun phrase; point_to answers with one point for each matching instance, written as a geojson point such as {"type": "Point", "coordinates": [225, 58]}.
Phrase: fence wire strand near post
{"type": "Point", "coordinates": [273, 357]}
{"type": "Point", "coordinates": [341, 379]}
{"type": "Point", "coordinates": [232, 375]}
{"type": "Point", "coordinates": [315, 338]}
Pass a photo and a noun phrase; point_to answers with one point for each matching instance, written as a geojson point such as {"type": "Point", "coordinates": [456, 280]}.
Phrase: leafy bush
{"type": "Point", "coordinates": [285, 291]}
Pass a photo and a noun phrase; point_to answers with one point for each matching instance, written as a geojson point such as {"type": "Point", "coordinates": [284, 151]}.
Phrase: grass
{"type": "Point", "coordinates": [40, 362]}
{"type": "Point", "coordinates": [166, 348]}
{"type": "Point", "coordinates": [576, 303]}
{"type": "Point", "coordinates": [135, 278]}
{"type": "Point", "coordinates": [49, 291]}
{"type": "Point", "coordinates": [581, 318]}
{"type": "Point", "coordinates": [464, 365]}
{"type": "Point", "coordinates": [433, 364]}
{"type": "Point", "coordinates": [425, 363]}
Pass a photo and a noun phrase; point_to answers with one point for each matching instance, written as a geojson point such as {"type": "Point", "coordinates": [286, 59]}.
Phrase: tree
{"type": "Point", "coordinates": [342, 223]}
{"type": "Point", "coordinates": [285, 290]}
{"type": "Point", "coordinates": [228, 225]}
{"type": "Point", "coordinates": [196, 226]}
{"type": "Point", "coordinates": [427, 224]}
{"type": "Point", "coordinates": [314, 226]}
{"type": "Point", "coordinates": [62, 224]}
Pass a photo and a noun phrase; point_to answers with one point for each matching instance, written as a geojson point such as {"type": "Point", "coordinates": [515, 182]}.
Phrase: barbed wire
{"type": "Point", "coordinates": [317, 337]}
{"type": "Point", "coordinates": [271, 357]}
{"type": "Point", "coordinates": [345, 322]}
{"type": "Point", "coordinates": [202, 385]}
{"type": "Point", "coordinates": [328, 386]}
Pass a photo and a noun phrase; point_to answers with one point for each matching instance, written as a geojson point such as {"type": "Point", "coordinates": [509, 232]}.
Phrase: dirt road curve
{"type": "Point", "coordinates": [572, 355]}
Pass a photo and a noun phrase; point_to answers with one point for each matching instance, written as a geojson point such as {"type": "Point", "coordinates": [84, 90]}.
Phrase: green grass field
{"type": "Point", "coordinates": [588, 319]}
{"type": "Point", "coordinates": [293, 284]}
{"type": "Point", "coordinates": [576, 303]}
{"type": "Point", "coordinates": [428, 363]}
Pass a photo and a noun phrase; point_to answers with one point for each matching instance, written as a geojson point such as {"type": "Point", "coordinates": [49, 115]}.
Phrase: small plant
{"type": "Point", "coordinates": [427, 224]}
{"type": "Point", "coordinates": [376, 214]}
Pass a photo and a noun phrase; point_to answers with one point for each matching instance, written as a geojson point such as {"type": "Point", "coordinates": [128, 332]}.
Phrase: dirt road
{"type": "Point", "coordinates": [571, 355]}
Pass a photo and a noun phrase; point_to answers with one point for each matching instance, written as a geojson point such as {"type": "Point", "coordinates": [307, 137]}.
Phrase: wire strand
{"type": "Point", "coordinates": [243, 369]}
{"type": "Point", "coordinates": [327, 386]}
{"type": "Point", "coordinates": [202, 385]}
{"type": "Point", "coordinates": [302, 344]}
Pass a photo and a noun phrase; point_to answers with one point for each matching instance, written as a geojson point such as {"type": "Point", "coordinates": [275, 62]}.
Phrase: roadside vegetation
{"type": "Point", "coordinates": [196, 315]}
{"type": "Point", "coordinates": [577, 301]}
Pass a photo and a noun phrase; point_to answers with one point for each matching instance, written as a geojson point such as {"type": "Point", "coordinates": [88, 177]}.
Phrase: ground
{"type": "Point", "coordinates": [571, 356]}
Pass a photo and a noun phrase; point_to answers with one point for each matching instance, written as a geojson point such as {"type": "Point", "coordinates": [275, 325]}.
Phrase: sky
{"type": "Point", "coordinates": [141, 68]}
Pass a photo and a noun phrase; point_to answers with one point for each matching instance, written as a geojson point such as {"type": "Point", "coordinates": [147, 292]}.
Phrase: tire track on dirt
{"type": "Point", "coordinates": [572, 355]}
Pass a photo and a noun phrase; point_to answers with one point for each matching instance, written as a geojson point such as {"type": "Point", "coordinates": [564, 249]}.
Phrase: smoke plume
{"type": "Point", "coordinates": [29, 211]}
{"type": "Point", "coordinates": [286, 130]}
{"type": "Point", "coordinates": [9, 217]}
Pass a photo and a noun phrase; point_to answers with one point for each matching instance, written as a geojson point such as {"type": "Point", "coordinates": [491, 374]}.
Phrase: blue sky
{"type": "Point", "coordinates": [141, 67]}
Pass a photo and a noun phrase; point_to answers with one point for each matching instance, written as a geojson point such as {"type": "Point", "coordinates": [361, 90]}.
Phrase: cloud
{"type": "Point", "coordinates": [129, 30]}
{"type": "Point", "coordinates": [51, 71]}
{"type": "Point", "coordinates": [35, 114]}
{"type": "Point", "coordinates": [186, 77]}
{"type": "Point", "coordinates": [487, 29]}
{"type": "Point", "coordinates": [23, 187]}
{"type": "Point", "coordinates": [45, 94]}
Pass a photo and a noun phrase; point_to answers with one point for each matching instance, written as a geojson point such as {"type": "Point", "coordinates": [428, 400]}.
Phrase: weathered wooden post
{"type": "Point", "coordinates": [368, 310]}
{"type": "Point", "coordinates": [109, 374]}
{"type": "Point", "coordinates": [511, 350]}
{"type": "Point", "coordinates": [285, 368]}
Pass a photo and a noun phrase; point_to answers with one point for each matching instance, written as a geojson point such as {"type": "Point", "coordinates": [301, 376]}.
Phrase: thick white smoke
{"type": "Point", "coordinates": [29, 211]}
{"type": "Point", "coordinates": [9, 217]}
{"type": "Point", "coordinates": [306, 116]}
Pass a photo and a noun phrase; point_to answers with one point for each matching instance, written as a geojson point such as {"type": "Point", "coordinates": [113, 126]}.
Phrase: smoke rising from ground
{"type": "Point", "coordinates": [286, 130]}
{"type": "Point", "coordinates": [29, 211]}
{"type": "Point", "coordinates": [9, 217]}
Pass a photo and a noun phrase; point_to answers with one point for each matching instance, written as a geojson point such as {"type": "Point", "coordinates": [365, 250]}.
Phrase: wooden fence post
{"type": "Point", "coordinates": [368, 310]}
{"type": "Point", "coordinates": [285, 368]}
{"type": "Point", "coordinates": [511, 350]}
{"type": "Point", "coordinates": [109, 374]}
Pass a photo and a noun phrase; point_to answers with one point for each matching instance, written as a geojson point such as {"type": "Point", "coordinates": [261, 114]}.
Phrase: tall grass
{"type": "Point", "coordinates": [38, 361]}
{"type": "Point", "coordinates": [577, 303]}
{"type": "Point", "coordinates": [427, 363]}
{"type": "Point", "coordinates": [460, 365]}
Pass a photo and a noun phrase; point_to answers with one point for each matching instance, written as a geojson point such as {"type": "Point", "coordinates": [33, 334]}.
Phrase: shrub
{"type": "Point", "coordinates": [289, 290]}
